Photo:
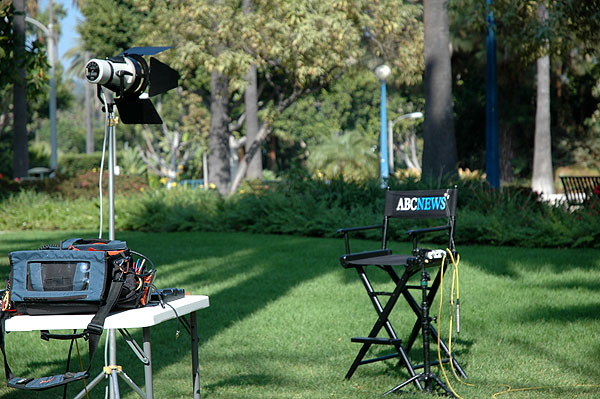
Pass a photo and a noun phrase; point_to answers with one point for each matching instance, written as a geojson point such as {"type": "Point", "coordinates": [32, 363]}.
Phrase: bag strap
{"type": "Point", "coordinates": [67, 243]}
{"type": "Point", "coordinates": [93, 331]}
{"type": "Point", "coordinates": [94, 244]}
{"type": "Point", "coordinates": [96, 326]}
{"type": "Point", "coordinates": [7, 371]}
{"type": "Point", "coordinates": [47, 336]}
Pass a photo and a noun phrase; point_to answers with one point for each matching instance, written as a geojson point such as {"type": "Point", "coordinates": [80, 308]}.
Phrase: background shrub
{"type": "Point", "coordinates": [512, 216]}
{"type": "Point", "coordinates": [73, 164]}
{"type": "Point", "coordinates": [86, 185]}
{"type": "Point", "coordinates": [178, 209]}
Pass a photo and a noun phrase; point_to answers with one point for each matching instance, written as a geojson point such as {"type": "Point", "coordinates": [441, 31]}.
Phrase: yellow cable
{"type": "Point", "coordinates": [439, 351]}
{"type": "Point", "coordinates": [511, 389]}
{"type": "Point", "coordinates": [456, 309]}
{"type": "Point", "coordinates": [455, 289]}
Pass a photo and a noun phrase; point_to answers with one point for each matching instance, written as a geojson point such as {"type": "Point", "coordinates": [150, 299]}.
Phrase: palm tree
{"type": "Point", "coordinates": [542, 179]}
{"type": "Point", "coordinates": [439, 152]}
{"type": "Point", "coordinates": [349, 155]}
{"type": "Point", "coordinates": [20, 142]}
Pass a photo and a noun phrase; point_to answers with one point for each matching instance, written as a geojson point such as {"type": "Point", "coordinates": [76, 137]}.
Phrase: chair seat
{"type": "Point", "coordinates": [377, 340]}
{"type": "Point", "coordinates": [384, 260]}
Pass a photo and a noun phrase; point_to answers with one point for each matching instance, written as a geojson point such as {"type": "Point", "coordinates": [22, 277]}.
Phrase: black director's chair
{"type": "Point", "coordinates": [424, 204]}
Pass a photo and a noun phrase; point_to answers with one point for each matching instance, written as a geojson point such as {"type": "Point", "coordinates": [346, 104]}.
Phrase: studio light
{"type": "Point", "coordinates": [129, 75]}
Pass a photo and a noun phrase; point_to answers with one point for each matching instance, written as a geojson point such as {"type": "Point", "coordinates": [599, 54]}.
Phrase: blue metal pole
{"type": "Point", "coordinates": [492, 157]}
{"type": "Point", "coordinates": [384, 168]}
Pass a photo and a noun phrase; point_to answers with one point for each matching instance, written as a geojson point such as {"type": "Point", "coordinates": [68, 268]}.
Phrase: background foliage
{"type": "Point", "coordinates": [298, 206]}
{"type": "Point", "coordinates": [349, 103]}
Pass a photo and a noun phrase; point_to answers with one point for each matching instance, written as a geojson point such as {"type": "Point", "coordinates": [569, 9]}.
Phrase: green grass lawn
{"type": "Point", "coordinates": [283, 311]}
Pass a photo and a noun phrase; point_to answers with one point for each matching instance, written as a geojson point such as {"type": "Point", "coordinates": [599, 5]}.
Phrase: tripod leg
{"type": "Point", "coordinates": [450, 356]}
{"type": "Point", "coordinates": [427, 377]}
{"type": "Point", "coordinates": [414, 378]}
{"type": "Point", "coordinates": [408, 364]}
{"type": "Point", "coordinates": [425, 320]}
{"type": "Point", "coordinates": [132, 384]}
{"type": "Point", "coordinates": [417, 328]}
{"type": "Point", "coordinates": [84, 392]}
{"type": "Point", "coordinates": [113, 377]}
{"type": "Point", "coordinates": [437, 380]}
{"type": "Point", "coordinates": [427, 333]}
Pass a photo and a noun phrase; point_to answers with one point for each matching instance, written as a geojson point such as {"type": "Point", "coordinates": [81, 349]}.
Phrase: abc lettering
{"type": "Point", "coordinates": [407, 204]}
{"type": "Point", "coordinates": [421, 204]}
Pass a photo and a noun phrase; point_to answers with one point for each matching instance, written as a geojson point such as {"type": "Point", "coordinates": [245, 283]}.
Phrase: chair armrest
{"type": "Point", "coordinates": [348, 230]}
{"type": "Point", "coordinates": [345, 260]}
{"type": "Point", "coordinates": [417, 232]}
{"type": "Point", "coordinates": [360, 228]}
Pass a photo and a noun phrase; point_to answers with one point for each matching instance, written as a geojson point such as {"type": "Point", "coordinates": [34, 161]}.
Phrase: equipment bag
{"type": "Point", "coordinates": [77, 276]}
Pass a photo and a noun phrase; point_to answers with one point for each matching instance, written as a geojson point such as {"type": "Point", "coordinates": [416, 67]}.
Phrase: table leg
{"type": "Point", "coordinates": [195, 364]}
{"type": "Point", "coordinates": [148, 367]}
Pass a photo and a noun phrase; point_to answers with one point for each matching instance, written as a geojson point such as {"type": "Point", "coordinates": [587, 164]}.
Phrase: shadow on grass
{"type": "Point", "coordinates": [513, 262]}
{"type": "Point", "coordinates": [244, 273]}
{"type": "Point", "coordinates": [241, 273]}
{"type": "Point", "coordinates": [253, 379]}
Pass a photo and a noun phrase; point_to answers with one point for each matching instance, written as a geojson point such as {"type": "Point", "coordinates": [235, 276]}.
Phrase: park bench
{"type": "Point", "coordinates": [579, 189]}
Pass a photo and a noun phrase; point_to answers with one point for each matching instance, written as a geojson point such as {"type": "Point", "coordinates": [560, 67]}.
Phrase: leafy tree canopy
{"type": "Point", "coordinates": [296, 45]}
{"type": "Point", "coordinates": [110, 27]}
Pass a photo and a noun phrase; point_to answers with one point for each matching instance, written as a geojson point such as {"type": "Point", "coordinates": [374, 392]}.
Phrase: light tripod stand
{"type": "Point", "coordinates": [111, 121]}
{"type": "Point", "coordinates": [111, 370]}
{"type": "Point", "coordinates": [428, 378]}
{"type": "Point", "coordinates": [128, 75]}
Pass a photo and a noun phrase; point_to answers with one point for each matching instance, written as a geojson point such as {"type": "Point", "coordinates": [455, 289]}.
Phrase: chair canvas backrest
{"type": "Point", "coordinates": [421, 204]}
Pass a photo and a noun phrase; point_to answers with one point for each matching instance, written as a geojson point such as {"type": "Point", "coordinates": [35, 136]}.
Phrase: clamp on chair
{"type": "Point", "coordinates": [422, 204]}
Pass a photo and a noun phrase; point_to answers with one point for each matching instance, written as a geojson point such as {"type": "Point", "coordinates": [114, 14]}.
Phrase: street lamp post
{"type": "Point", "coordinates": [383, 72]}
{"type": "Point", "coordinates": [492, 157]}
{"type": "Point", "coordinates": [52, 58]}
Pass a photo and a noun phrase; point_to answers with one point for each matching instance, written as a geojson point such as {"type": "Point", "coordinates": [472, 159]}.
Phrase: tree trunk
{"type": "Point", "coordinates": [439, 149]}
{"type": "Point", "coordinates": [263, 132]}
{"type": "Point", "coordinates": [542, 180]}
{"type": "Point", "coordinates": [175, 141]}
{"type": "Point", "coordinates": [506, 152]}
{"type": "Point", "coordinates": [407, 150]}
{"type": "Point", "coordinates": [219, 172]}
{"type": "Point", "coordinates": [255, 166]}
{"type": "Point", "coordinates": [20, 137]}
{"type": "Point", "coordinates": [414, 158]}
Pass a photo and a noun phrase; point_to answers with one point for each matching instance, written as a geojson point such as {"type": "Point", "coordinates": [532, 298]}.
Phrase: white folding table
{"type": "Point", "coordinates": [143, 318]}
